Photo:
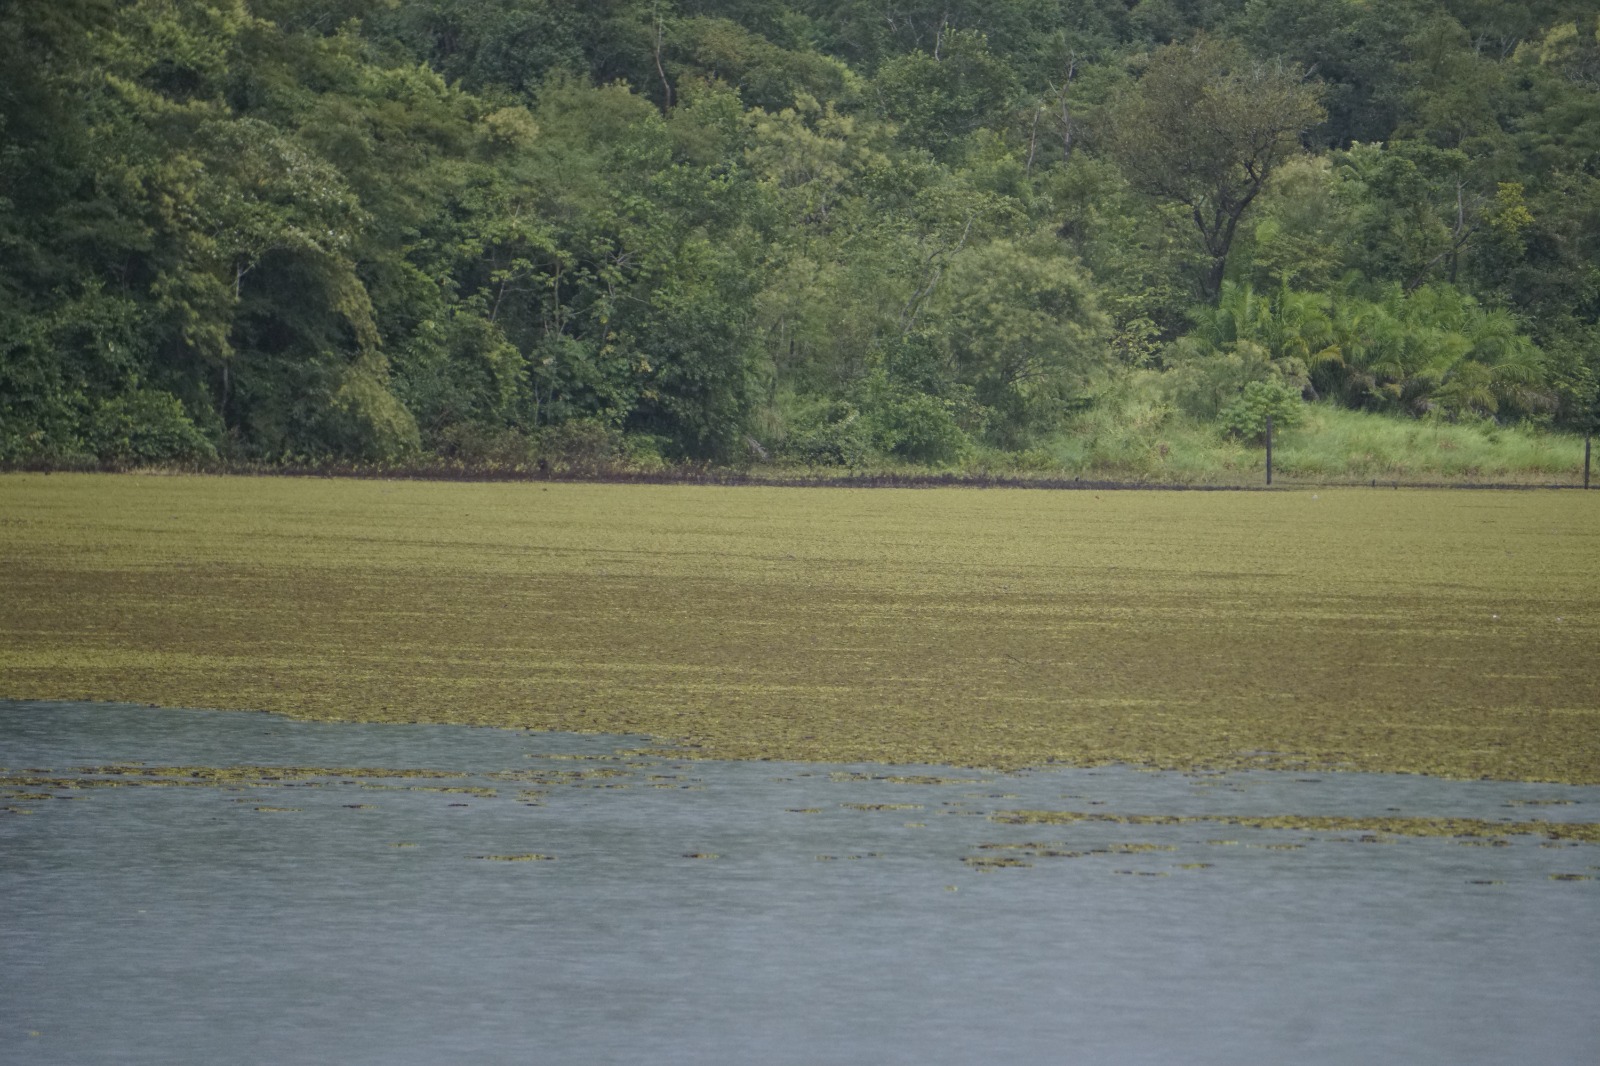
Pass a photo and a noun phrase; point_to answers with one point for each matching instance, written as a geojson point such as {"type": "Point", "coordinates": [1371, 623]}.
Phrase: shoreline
{"type": "Point", "coordinates": [731, 477]}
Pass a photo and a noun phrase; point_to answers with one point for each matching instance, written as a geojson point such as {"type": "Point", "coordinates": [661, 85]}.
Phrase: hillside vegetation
{"type": "Point", "coordinates": [1081, 235]}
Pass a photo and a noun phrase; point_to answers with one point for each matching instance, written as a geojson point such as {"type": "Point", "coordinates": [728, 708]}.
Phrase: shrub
{"type": "Point", "coordinates": [581, 442]}
{"type": "Point", "coordinates": [835, 435]}
{"type": "Point", "coordinates": [145, 426]}
{"type": "Point", "coordinates": [921, 429]}
{"type": "Point", "coordinates": [1246, 418]}
{"type": "Point", "coordinates": [479, 445]}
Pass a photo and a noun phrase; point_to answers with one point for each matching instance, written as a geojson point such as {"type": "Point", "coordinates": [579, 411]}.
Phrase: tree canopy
{"type": "Point", "coordinates": [821, 230]}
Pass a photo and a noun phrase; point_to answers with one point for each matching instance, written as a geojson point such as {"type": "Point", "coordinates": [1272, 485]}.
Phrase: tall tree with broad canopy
{"type": "Point", "coordinates": [1206, 128]}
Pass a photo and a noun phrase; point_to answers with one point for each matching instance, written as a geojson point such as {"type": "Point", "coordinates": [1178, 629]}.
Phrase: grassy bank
{"type": "Point", "coordinates": [1135, 436]}
{"type": "Point", "coordinates": [1132, 438]}
{"type": "Point", "coordinates": [1424, 631]}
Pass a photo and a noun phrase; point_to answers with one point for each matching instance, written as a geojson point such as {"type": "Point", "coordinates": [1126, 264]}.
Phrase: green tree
{"type": "Point", "coordinates": [1024, 331]}
{"type": "Point", "coordinates": [1247, 416]}
{"type": "Point", "coordinates": [1354, 48]}
{"type": "Point", "coordinates": [940, 98]}
{"type": "Point", "coordinates": [1207, 128]}
{"type": "Point", "coordinates": [1418, 211]}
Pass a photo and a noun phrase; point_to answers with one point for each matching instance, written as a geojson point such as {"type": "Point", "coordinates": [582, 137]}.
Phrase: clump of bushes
{"type": "Point", "coordinates": [145, 426]}
{"type": "Point", "coordinates": [1246, 417]}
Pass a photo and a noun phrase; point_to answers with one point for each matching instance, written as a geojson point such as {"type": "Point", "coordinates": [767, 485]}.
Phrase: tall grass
{"type": "Point", "coordinates": [1134, 434]}
{"type": "Point", "coordinates": [1336, 444]}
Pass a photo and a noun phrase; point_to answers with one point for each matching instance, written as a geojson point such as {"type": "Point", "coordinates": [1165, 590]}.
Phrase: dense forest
{"type": "Point", "coordinates": [814, 231]}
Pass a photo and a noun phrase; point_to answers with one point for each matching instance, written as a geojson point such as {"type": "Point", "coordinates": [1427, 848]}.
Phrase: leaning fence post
{"type": "Point", "coordinates": [1269, 449]}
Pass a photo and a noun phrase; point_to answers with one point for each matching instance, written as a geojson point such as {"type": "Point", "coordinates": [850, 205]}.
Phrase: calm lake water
{"type": "Point", "coordinates": [551, 898]}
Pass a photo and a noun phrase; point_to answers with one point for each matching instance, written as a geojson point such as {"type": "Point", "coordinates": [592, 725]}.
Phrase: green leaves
{"type": "Point", "coordinates": [939, 100]}
{"type": "Point", "coordinates": [145, 426]}
{"type": "Point", "coordinates": [1023, 331]}
{"type": "Point", "coordinates": [372, 226]}
{"type": "Point", "coordinates": [1247, 416]}
{"type": "Point", "coordinates": [1206, 128]}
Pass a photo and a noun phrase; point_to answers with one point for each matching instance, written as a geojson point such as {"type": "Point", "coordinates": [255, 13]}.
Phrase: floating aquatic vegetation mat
{"type": "Point", "coordinates": [1471, 829]}
{"type": "Point", "coordinates": [200, 887]}
{"type": "Point", "coordinates": [1434, 632]}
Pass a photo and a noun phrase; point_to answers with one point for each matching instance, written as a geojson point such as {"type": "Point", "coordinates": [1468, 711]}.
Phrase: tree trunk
{"type": "Point", "coordinates": [1212, 283]}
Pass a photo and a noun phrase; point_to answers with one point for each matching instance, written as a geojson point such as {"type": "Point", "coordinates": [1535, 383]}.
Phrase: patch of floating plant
{"type": "Point", "coordinates": [985, 863]}
{"type": "Point", "coordinates": [1058, 850]}
{"type": "Point", "coordinates": [319, 549]}
{"type": "Point", "coordinates": [973, 796]}
{"type": "Point", "coordinates": [233, 778]}
{"type": "Point", "coordinates": [1585, 832]}
{"type": "Point", "coordinates": [262, 773]}
{"type": "Point", "coordinates": [67, 783]}
{"type": "Point", "coordinates": [1365, 838]}
{"type": "Point", "coordinates": [883, 806]}
{"type": "Point", "coordinates": [1035, 851]}
{"type": "Point", "coordinates": [30, 783]}
{"type": "Point", "coordinates": [531, 856]}
{"type": "Point", "coordinates": [701, 855]}
{"type": "Point", "coordinates": [903, 779]}
{"type": "Point", "coordinates": [563, 776]}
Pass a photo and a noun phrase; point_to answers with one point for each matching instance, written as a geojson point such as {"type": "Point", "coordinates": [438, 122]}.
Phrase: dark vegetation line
{"type": "Point", "coordinates": [683, 474]}
{"type": "Point", "coordinates": [676, 238]}
{"type": "Point", "coordinates": [708, 474]}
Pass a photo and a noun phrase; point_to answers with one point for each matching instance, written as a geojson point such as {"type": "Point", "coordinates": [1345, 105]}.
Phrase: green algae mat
{"type": "Point", "coordinates": [1443, 632]}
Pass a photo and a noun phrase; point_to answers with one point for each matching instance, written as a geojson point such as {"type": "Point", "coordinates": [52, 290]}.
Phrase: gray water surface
{"type": "Point", "coordinates": [718, 912]}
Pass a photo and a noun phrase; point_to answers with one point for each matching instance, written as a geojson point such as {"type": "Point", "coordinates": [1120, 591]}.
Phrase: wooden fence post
{"type": "Point", "coordinates": [1269, 449]}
